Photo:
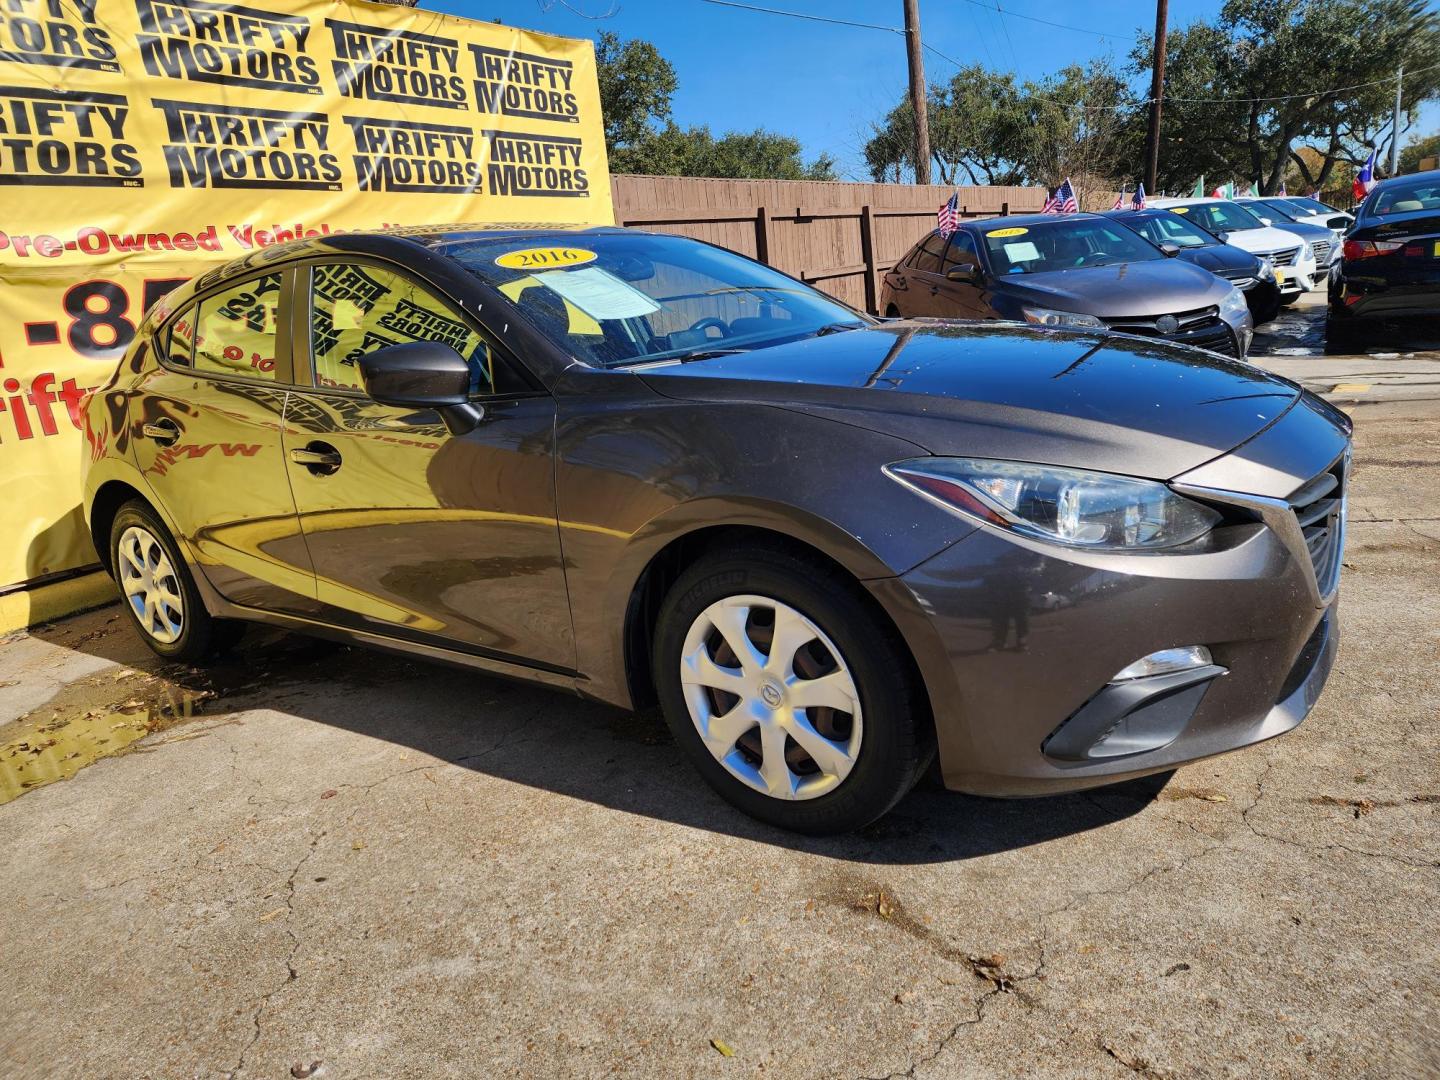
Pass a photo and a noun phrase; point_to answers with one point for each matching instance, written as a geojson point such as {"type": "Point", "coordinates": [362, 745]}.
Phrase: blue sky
{"type": "Point", "coordinates": [826, 84]}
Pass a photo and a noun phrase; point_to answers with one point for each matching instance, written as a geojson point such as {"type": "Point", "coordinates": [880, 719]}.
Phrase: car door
{"type": "Point", "coordinates": [207, 421]}
{"type": "Point", "coordinates": [961, 299]}
{"type": "Point", "coordinates": [413, 532]}
{"type": "Point", "coordinates": [919, 281]}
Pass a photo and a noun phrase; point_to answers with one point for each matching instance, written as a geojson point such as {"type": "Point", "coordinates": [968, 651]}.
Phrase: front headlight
{"type": "Point", "coordinates": [1267, 269]}
{"type": "Point", "coordinates": [1049, 317]}
{"type": "Point", "coordinates": [1234, 304]}
{"type": "Point", "coordinates": [1306, 251]}
{"type": "Point", "coordinates": [1074, 507]}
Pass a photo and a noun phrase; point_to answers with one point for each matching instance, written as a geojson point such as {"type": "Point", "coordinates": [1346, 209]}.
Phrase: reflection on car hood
{"type": "Point", "coordinates": [1125, 289]}
{"type": "Point", "coordinates": [1265, 240]}
{"type": "Point", "coordinates": [1088, 400]}
{"type": "Point", "coordinates": [1219, 257]}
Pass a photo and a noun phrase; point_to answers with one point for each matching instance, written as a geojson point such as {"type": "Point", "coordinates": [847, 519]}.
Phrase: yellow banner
{"type": "Point", "coordinates": [144, 140]}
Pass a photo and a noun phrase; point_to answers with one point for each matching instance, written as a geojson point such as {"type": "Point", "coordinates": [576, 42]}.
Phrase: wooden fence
{"type": "Point", "coordinates": [841, 237]}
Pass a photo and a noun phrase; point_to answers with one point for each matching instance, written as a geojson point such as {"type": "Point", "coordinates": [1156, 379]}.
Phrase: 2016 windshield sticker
{"type": "Point", "coordinates": [1180, 209]}
{"type": "Point", "coordinates": [1008, 232]}
{"type": "Point", "coordinates": [544, 258]}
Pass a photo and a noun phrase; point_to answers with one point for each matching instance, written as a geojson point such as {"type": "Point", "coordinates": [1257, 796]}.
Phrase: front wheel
{"type": "Point", "coordinates": [788, 692]}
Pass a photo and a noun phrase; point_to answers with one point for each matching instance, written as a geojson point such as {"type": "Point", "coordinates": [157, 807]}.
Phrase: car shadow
{"type": "Point", "coordinates": [553, 741]}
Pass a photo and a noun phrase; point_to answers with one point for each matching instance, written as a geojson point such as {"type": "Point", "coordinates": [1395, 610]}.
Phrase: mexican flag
{"type": "Point", "coordinates": [1199, 192]}
{"type": "Point", "coordinates": [1224, 191]}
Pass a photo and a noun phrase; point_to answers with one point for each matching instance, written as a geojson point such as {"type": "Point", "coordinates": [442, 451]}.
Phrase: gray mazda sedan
{"type": "Point", "coordinates": [648, 470]}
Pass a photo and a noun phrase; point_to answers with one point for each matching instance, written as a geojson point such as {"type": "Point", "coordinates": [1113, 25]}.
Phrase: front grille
{"type": "Point", "coordinates": [1322, 252]}
{"type": "Point", "coordinates": [1282, 258]}
{"type": "Point", "coordinates": [1201, 327]}
{"type": "Point", "coordinates": [1239, 278]}
{"type": "Point", "coordinates": [1319, 510]}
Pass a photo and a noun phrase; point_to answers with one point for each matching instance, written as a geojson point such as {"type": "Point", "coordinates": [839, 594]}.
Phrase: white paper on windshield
{"type": "Point", "coordinates": [1021, 251]}
{"type": "Point", "coordinates": [598, 293]}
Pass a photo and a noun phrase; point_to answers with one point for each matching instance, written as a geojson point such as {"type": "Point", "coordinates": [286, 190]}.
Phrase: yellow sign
{"type": "Point", "coordinates": [1008, 232]}
{"type": "Point", "coordinates": [142, 141]}
{"type": "Point", "coordinates": [544, 258]}
{"type": "Point", "coordinates": [1180, 209]}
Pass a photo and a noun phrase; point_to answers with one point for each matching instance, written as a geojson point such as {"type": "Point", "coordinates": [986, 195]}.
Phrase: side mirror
{"type": "Point", "coordinates": [1170, 250]}
{"type": "Point", "coordinates": [1265, 221]}
{"type": "Point", "coordinates": [969, 273]}
{"type": "Point", "coordinates": [423, 375]}
{"type": "Point", "coordinates": [1223, 237]}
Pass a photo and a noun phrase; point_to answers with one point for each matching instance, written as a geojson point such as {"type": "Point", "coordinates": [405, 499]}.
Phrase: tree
{"type": "Point", "coordinates": [636, 85]}
{"type": "Point", "coordinates": [1245, 94]}
{"type": "Point", "coordinates": [755, 155]}
{"type": "Point", "coordinates": [986, 129]}
{"type": "Point", "coordinates": [1418, 149]}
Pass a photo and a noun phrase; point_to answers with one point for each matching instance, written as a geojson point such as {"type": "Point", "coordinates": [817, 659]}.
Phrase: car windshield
{"type": "Point", "coordinates": [1274, 209]}
{"type": "Point", "coordinates": [618, 298]}
{"type": "Point", "coordinates": [1163, 228]}
{"type": "Point", "coordinates": [1405, 197]}
{"type": "Point", "coordinates": [1219, 217]}
{"type": "Point", "coordinates": [1062, 245]}
{"type": "Point", "coordinates": [1314, 206]}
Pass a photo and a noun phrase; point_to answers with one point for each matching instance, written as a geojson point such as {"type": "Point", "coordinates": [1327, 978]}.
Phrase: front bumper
{"type": "Point", "coordinates": [1015, 638]}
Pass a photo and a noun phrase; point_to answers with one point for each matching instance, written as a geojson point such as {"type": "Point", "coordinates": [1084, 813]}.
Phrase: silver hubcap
{"type": "Point", "coordinates": [150, 585]}
{"type": "Point", "coordinates": [772, 697]}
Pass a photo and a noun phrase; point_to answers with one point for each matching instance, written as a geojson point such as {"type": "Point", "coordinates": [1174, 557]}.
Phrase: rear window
{"type": "Point", "coordinates": [1405, 198]}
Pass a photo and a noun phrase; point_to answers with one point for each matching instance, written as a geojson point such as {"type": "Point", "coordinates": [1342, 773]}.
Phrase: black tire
{"type": "Point", "coordinates": [201, 635]}
{"type": "Point", "coordinates": [1265, 309]}
{"type": "Point", "coordinates": [1341, 334]}
{"type": "Point", "coordinates": [898, 737]}
{"type": "Point", "coordinates": [1287, 301]}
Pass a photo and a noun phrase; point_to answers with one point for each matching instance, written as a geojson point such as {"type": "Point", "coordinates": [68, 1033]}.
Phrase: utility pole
{"type": "Point", "coordinates": [1395, 126]}
{"type": "Point", "coordinates": [1157, 88]}
{"type": "Point", "coordinates": [917, 91]}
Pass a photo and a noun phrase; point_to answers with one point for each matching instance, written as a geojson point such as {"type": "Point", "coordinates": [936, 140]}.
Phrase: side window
{"type": "Point", "coordinates": [927, 259]}
{"type": "Point", "coordinates": [962, 251]}
{"type": "Point", "coordinates": [234, 331]}
{"type": "Point", "coordinates": [175, 342]}
{"type": "Point", "coordinates": [358, 308]}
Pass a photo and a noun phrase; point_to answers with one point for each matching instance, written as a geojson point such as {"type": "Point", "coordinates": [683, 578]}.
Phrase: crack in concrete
{"type": "Point", "coordinates": [979, 1006]}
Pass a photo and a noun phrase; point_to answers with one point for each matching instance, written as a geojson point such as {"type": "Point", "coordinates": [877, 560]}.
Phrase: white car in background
{"type": "Point", "coordinates": [1307, 211]}
{"type": "Point", "coordinates": [1292, 257]}
{"type": "Point", "coordinates": [1283, 213]}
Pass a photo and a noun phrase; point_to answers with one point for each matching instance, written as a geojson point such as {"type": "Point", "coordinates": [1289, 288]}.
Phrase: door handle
{"type": "Point", "coordinates": [320, 458]}
{"type": "Point", "coordinates": [162, 431]}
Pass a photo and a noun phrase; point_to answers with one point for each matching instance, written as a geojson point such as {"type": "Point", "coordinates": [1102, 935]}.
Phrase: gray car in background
{"type": "Point", "coordinates": [643, 469]}
{"type": "Point", "coordinates": [1081, 271]}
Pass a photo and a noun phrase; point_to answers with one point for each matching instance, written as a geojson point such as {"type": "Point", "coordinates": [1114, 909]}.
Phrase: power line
{"type": "Point", "coordinates": [1136, 104]}
{"type": "Point", "coordinates": [1047, 22]}
{"type": "Point", "coordinates": [803, 15]}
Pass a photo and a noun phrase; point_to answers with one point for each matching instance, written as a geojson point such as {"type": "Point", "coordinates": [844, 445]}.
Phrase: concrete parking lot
{"type": "Point", "coordinates": [316, 860]}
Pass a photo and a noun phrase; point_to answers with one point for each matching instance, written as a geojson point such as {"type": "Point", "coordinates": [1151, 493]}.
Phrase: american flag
{"type": "Point", "coordinates": [947, 220]}
{"type": "Point", "coordinates": [1063, 201]}
{"type": "Point", "coordinates": [1119, 201]}
{"type": "Point", "coordinates": [1137, 201]}
{"type": "Point", "coordinates": [1282, 192]}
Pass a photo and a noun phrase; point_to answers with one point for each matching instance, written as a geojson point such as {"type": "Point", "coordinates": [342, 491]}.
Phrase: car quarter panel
{"type": "Point", "coordinates": [636, 470]}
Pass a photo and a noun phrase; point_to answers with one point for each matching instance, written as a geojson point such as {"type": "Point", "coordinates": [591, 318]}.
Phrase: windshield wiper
{"type": "Point", "coordinates": [837, 327]}
{"type": "Point", "coordinates": [703, 354]}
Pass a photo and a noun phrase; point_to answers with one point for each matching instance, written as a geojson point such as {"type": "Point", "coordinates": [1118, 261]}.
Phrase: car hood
{"type": "Point", "coordinates": [1218, 257]}
{"type": "Point", "coordinates": [1118, 291]}
{"type": "Point", "coordinates": [1265, 240]}
{"type": "Point", "coordinates": [1089, 400]}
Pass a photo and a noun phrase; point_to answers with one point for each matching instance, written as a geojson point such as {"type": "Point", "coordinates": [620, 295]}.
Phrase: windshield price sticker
{"type": "Point", "coordinates": [544, 258]}
{"type": "Point", "coordinates": [1008, 232]}
{"type": "Point", "coordinates": [599, 294]}
{"type": "Point", "coordinates": [1024, 251]}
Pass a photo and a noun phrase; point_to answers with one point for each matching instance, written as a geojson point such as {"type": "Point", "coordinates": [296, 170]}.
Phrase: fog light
{"type": "Point", "coordinates": [1165, 662]}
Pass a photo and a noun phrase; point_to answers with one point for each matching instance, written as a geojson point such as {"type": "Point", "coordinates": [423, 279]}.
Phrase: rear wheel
{"type": "Point", "coordinates": [782, 685]}
{"type": "Point", "coordinates": [158, 590]}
